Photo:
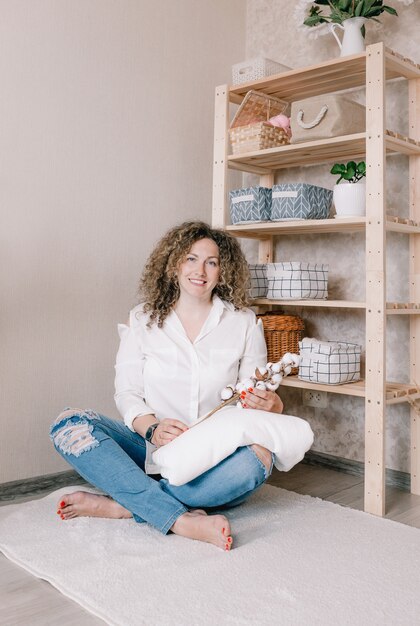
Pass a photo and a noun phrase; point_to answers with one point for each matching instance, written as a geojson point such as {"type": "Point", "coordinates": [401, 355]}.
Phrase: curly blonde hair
{"type": "Point", "coordinates": [159, 287]}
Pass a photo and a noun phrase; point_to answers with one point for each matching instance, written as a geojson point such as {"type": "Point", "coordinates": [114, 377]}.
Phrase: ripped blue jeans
{"type": "Point", "coordinates": [111, 457]}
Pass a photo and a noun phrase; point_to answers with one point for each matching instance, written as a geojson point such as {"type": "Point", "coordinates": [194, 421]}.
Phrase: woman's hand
{"type": "Point", "coordinates": [263, 400]}
{"type": "Point", "coordinates": [167, 430]}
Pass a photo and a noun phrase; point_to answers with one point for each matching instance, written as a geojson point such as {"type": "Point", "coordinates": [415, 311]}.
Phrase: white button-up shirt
{"type": "Point", "coordinates": [160, 371]}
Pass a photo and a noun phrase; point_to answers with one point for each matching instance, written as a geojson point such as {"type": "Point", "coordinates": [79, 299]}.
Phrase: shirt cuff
{"type": "Point", "coordinates": [136, 411]}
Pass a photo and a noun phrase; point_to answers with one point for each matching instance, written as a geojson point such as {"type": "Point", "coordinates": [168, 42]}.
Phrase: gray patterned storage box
{"type": "Point", "coordinates": [251, 204]}
{"type": "Point", "coordinates": [300, 201]}
{"type": "Point", "coordinates": [330, 363]}
{"type": "Point", "coordinates": [294, 280]}
{"type": "Point", "coordinates": [258, 280]}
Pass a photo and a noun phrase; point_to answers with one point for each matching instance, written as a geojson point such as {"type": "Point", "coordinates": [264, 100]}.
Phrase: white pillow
{"type": "Point", "coordinates": [214, 439]}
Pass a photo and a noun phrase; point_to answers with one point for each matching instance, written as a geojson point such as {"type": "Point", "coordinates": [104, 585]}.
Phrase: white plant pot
{"type": "Point", "coordinates": [350, 199]}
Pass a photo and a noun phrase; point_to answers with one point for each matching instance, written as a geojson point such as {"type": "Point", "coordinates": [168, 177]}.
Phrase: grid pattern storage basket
{"type": "Point", "coordinates": [250, 130]}
{"type": "Point", "coordinates": [282, 334]}
{"type": "Point", "coordinates": [300, 201]}
{"type": "Point", "coordinates": [330, 363]}
{"type": "Point", "coordinates": [250, 204]}
{"type": "Point", "coordinates": [253, 69]}
{"type": "Point", "coordinates": [258, 280]}
{"type": "Point", "coordinates": [294, 280]}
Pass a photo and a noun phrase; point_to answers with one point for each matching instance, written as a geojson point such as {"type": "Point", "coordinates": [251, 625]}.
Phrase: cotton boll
{"type": "Point", "coordinates": [276, 378]}
{"type": "Point", "coordinates": [247, 383]}
{"type": "Point", "coordinates": [276, 367]}
{"type": "Point", "coordinates": [240, 387]}
{"type": "Point", "coordinates": [226, 393]}
{"type": "Point", "coordinates": [287, 359]}
{"type": "Point", "coordinates": [260, 385]}
{"type": "Point", "coordinates": [262, 370]}
{"type": "Point", "coordinates": [272, 386]}
{"type": "Point", "coordinates": [269, 366]}
{"type": "Point", "coordinates": [287, 370]}
{"type": "Point", "coordinates": [296, 360]}
{"type": "Point", "coordinates": [239, 405]}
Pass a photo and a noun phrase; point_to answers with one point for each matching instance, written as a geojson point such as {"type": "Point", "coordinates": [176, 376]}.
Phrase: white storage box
{"type": "Point", "coordinates": [294, 280]}
{"type": "Point", "coordinates": [330, 363]}
{"type": "Point", "coordinates": [250, 204]}
{"type": "Point", "coordinates": [253, 69]}
{"type": "Point", "coordinates": [300, 201]}
{"type": "Point", "coordinates": [258, 280]}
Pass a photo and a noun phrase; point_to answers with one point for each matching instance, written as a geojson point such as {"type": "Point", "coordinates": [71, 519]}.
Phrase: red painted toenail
{"type": "Point", "coordinates": [58, 512]}
{"type": "Point", "coordinates": [250, 389]}
{"type": "Point", "coordinates": [227, 546]}
{"type": "Point", "coordinates": [229, 539]}
{"type": "Point", "coordinates": [62, 503]}
{"type": "Point", "coordinates": [244, 405]}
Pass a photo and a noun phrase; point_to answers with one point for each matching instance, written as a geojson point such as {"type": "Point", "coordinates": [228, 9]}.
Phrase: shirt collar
{"type": "Point", "coordinates": [212, 321]}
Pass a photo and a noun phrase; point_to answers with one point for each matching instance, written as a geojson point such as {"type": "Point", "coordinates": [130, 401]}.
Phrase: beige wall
{"type": "Point", "coordinates": [339, 429]}
{"type": "Point", "coordinates": [106, 121]}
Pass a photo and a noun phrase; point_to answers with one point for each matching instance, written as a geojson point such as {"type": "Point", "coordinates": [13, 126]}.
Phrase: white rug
{"type": "Point", "coordinates": [297, 560]}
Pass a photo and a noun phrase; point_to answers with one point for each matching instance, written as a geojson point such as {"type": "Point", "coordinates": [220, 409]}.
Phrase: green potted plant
{"type": "Point", "coordinates": [348, 15]}
{"type": "Point", "coordinates": [349, 193]}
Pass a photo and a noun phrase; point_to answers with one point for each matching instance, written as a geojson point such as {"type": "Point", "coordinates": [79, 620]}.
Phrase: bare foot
{"type": "Point", "coordinates": [84, 504]}
{"type": "Point", "coordinates": [198, 525]}
{"type": "Point", "coordinates": [263, 454]}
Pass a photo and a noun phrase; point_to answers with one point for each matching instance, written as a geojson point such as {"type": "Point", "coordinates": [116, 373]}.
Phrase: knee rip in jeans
{"type": "Point", "coordinates": [71, 432]}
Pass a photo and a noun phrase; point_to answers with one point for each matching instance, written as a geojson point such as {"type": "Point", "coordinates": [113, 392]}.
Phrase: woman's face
{"type": "Point", "coordinates": [199, 273]}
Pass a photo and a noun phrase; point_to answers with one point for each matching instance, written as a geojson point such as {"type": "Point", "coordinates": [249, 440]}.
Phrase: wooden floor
{"type": "Point", "coordinates": [28, 601]}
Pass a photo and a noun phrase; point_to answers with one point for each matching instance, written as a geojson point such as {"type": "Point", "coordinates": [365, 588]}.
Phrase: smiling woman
{"type": "Point", "coordinates": [193, 294]}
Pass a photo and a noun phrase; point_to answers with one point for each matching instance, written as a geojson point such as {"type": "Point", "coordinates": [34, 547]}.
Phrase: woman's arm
{"type": "Point", "coordinates": [129, 392]}
{"type": "Point", "coordinates": [129, 388]}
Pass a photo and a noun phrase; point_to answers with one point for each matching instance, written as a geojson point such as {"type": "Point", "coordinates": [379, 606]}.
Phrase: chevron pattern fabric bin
{"type": "Point", "coordinates": [294, 280]}
{"type": "Point", "coordinates": [330, 363]}
{"type": "Point", "coordinates": [300, 201]}
{"type": "Point", "coordinates": [258, 280]}
{"type": "Point", "coordinates": [251, 204]}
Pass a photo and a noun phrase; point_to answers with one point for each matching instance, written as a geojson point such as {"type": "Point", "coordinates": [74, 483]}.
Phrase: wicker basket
{"type": "Point", "coordinates": [282, 334]}
{"type": "Point", "coordinates": [250, 130]}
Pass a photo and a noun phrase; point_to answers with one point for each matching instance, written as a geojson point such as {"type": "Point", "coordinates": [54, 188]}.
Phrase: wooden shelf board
{"type": "Point", "coordinates": [395, 392]}
{"type": "Point", "coordinates": [402, 308]}
{"type": "Point", "coordinates": [306, 153]}
{"type": "Point", "coordinates": [315, 152]}
{"type": "Point", "coordinates": [398, 227]}
{"type": "Point", "coordinates": [257, 229]}
{"type": "Point", "coordinates": [326, 304]}
{"type": "Point", "coordinates": [330, 76]}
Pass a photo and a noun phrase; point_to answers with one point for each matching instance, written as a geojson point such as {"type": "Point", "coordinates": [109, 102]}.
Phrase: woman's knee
{"type": "Point", "coordinates": [71, 432]}
{"type": "Point", "coordinates": [264, 455]}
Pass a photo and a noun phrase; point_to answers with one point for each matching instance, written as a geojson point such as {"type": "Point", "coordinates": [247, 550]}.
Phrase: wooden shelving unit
{"type": "Point", "coordinates": [371, 70]}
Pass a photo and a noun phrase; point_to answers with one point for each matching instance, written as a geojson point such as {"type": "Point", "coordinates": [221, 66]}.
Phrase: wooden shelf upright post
{"type": "Point", "coordinates": [414, 270]}
{"type": "Point", "coordinates": [221, 123]}
{"type": "Point", "coordinates": [375, 401]}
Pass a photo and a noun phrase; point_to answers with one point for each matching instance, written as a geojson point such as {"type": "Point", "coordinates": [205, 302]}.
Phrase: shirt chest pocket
{"type": "Point", "coordinates": [162, 364]}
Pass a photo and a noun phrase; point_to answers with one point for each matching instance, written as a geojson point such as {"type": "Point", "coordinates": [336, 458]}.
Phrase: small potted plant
{"type": "Point", "coordinates": [350, 190]}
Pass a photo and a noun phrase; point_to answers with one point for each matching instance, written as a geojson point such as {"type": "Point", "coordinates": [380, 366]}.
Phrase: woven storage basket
{"type": "Point", "coordinates": [282, 334]}
{"type": "Point", "coordinates": [250, 130]}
